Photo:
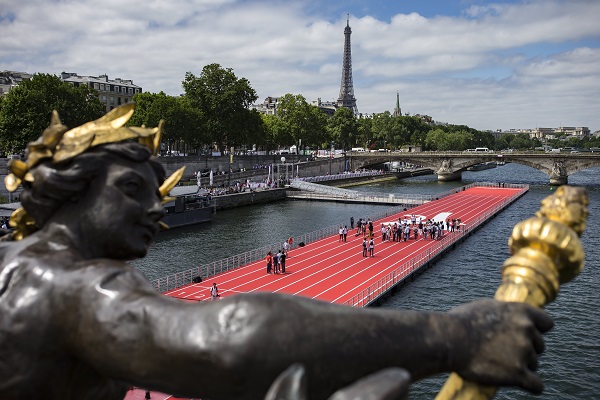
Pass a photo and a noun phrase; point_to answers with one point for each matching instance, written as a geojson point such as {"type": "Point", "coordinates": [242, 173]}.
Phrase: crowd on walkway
{"type": "Point", "coordinates": [405, 229]}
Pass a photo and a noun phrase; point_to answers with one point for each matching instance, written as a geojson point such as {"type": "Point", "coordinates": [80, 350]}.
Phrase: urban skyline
{"type": "Point", "coordinates": [489, 66]}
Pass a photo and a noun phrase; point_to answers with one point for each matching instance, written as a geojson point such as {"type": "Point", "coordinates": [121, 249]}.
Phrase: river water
{"type": "Point", "coordinates": [570, 367]}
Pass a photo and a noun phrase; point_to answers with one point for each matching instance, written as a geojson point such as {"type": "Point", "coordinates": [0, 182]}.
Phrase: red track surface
{"type": "Point", "coordinates": [335, 271]}
{"type": "Point", "coordinates": [140, 394]}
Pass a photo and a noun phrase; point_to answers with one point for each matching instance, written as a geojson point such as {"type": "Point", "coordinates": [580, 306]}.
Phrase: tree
{"type": "Point", "coordinates": [25, 111]}
{"type": "Point", "coordinates": [271, 125]}
{"type": "Point", "coordinates": [417, 129]}
{"type": "Point", "coordinates": [224, 102]}
{"type": "Point", "coordinates": [365, 132]}
{"type": "Point", "coordinates": [522, 142]}
{"type": "Point", "coordinates": [382, 128]}
{"type": "Point", "coordinates": [183, 123]}
{"type": "Point", "coordinates": [300, 121]}
{"type": "Point", "coordinates": [343, 128]}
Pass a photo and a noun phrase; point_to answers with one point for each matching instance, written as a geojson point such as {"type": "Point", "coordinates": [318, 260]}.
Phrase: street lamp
{"type": "Point", "coordinates": [282, 164]}
{"type": "Point", "coordinates": [331, 157]}
{"type": "Point", "coordinates": [230, 162]}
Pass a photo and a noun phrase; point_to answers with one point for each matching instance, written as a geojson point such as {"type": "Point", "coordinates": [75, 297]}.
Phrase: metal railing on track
{"type": "Point", "coordinates": [183, 278]}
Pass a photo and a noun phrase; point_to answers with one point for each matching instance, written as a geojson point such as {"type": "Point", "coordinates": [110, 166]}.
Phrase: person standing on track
{"type": "Point", "coordinates": [214, 292]}
{"type": "Point", "coordinates": [276, 262]}
{"type": "Point", "coordinates": [282, 260]}
{"type": "Point", "coordinates": [364, 245]}
{"type": "Point", "coordinates": [286, 246]}
{"type": "Point", "coordinates": [372, 247]}
{"type": "Point", "coordinates": [269, 260]}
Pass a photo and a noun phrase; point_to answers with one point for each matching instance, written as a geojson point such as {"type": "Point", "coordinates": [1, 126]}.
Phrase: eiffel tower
{"type": "Point", "coordinates": [346, 98]}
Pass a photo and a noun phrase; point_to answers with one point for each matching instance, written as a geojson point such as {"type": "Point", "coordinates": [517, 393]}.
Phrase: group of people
{"type": "Point", "coordinates": [368, 247]}
{"type": "Point", "coordinates": [343, 232]}
{"type": "Point", "coordinates": [362, 226]}
{"type": "Point", "coordinates": [414, 227]}
{"type": "Point", "coordinates": [276, 262]}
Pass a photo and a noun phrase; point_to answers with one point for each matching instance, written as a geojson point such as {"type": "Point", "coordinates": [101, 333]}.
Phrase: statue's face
{"type": "Point", "coordinates": [121, 210]}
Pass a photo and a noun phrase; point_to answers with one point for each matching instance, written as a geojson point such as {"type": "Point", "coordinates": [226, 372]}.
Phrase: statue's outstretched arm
{"type": "Point", "coordinates": [236, 347]}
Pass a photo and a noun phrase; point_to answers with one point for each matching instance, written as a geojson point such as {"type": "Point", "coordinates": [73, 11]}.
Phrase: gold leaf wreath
{"type": "Point", "coordinates": [61, 144]}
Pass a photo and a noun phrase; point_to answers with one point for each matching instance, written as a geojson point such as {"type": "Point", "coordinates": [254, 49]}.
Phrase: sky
{"type": "Point", "coordinates": [512, 64]}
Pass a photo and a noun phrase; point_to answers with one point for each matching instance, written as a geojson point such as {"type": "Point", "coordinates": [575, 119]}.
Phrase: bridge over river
{"type": "Point", "coordinates": [449, 165]}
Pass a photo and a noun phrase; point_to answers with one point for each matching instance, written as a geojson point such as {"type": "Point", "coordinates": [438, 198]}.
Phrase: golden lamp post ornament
{"type": "Point", "coordinates": [60, 144]}
{"type": "Point", "coordinates": [546, 252]}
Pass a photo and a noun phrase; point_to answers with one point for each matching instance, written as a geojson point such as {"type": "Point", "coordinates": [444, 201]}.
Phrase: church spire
{"type": "Point", "coordinates": [397, 110]}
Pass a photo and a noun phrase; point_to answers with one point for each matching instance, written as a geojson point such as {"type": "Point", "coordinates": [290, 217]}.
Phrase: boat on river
{"type": "Point", "coordinates": [482, 166]}
{"type": "Point", "coordinates": [190, 205]}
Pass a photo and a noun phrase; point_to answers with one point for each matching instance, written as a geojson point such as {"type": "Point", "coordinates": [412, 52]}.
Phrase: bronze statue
{"type": "Point", "coordinates": [77, 322]}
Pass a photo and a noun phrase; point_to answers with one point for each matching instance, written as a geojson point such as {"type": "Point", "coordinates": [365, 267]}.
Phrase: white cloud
{"type": "Point", "coordinates": [499, 66]}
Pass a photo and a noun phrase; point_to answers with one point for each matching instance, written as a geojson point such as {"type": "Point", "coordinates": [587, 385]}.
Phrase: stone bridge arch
{"type": "Point", "coordinates": [450, 165]}
{"type": "Point", "coordinates": [557, 167]}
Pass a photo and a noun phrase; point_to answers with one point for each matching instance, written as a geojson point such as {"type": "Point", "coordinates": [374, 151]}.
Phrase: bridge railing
{"type": "Point", "coordinates": [346, 175]}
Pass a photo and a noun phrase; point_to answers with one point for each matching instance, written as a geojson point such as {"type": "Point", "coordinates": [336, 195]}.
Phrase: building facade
{"type": "Point", "coordinates": [10, 79]}
{"type": "Point", "coordinates": [268, 107]}
{"type": "Point", "coordinates": [111, 92]}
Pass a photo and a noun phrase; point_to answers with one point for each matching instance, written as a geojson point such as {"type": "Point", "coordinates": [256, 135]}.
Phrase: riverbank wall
{"type": "Point", "coordinates": [249, 198]}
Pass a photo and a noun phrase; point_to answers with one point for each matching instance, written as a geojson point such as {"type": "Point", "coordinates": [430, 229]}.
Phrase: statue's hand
{"type": "Point", "coordinates": [504, 340]}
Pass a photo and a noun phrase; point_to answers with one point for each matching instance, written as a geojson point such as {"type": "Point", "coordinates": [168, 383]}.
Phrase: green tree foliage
{"type": "Point", "coordinates": [383, 129]}
{"type": "Point", "coordinates": [343, 128]}
{"type": "Point", "coordinates": [25, 111]}
{"type": "Point", "coordinates": [365, 133]}
{"type": "Point", "coordinates": [300, 121]}
{"type": "Point", "coordinates": [417, 129]}
{"type": "Point", "coordinates": [452, 140]}
{"type": "Point", "coordinates": [480, 139]}
{"type": "Point", "coordinates": [272, 125]}
{"type": "Point", "coordinates": [397, 131]}
{"type": "Point", "coordinates": [224, 101]}
{"type": "Point", "coordinates": [182, 123]}
{"type": "Point", "coordinates": [522, 142]}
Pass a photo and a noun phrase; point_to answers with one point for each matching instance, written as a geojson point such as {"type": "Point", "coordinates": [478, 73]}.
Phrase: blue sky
{"type": "Point", "coordinates": [489, 65]}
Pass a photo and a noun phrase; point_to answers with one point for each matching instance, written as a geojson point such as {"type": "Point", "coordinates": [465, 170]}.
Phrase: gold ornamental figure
{"type": "Point", "coordinates": [545, 253]}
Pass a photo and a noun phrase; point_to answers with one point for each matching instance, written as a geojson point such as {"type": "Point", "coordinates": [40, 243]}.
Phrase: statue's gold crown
{"type": "Point", "coordinates": [60, 144]}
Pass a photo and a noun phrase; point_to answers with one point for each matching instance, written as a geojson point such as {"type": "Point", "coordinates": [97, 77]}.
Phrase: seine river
{"type": "Point", "coordinates": [570, 367]}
